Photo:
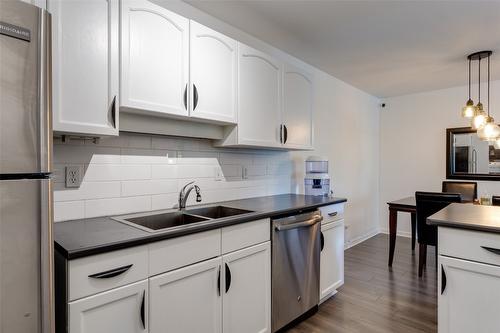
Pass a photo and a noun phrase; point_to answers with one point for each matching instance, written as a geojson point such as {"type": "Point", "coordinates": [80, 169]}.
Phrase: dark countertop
{"type": "Point", "coordinates": [468, 216]}
{"type": "Point", "coordinates": [81, 238]}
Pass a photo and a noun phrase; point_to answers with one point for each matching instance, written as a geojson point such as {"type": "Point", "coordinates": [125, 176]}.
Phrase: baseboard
{"type": "Point", "coordinates": [406, 234]}
{"type": "Point", "coordinates": [360, 239]}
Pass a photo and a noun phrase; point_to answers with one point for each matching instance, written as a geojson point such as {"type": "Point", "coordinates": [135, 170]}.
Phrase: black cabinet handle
{"type": "Point", "coordinates": [443, 280]}
{"type": "Point", "coordinates": [228, 277]}
{"type": "Point", "coordinates": [333, 214]}
{"type": "Point", "coordinates": [286, 134]}
{"type": "Point", "coordinates": [281, 133]}
{"type": "Point", "coordinates": [195, 97]}
{"type": "Point", "coordinates": [113, 112]}
{"type": "Point", "coordinates": [218, 282]}
{"type": "Point", "coordinates": [322, 239]}
{"type": "Point", "coordinates": [491, 249]}
{"type": "Point", "coordinates": [143, 310]}
{"type": "Point", "coordinates": [185, 96]}
{"type": "Point", "coordinates": [111, 273]}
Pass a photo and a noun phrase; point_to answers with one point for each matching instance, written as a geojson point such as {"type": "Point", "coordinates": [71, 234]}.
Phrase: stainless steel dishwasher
{"type": "Point", "coordinates": [295, 266]}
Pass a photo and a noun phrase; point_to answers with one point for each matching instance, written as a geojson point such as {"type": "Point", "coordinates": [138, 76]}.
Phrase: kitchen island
{"type": "Point", "coordinates": [469, 268]}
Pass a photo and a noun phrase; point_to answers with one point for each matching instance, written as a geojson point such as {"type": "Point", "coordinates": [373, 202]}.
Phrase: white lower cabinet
{"type": "Point", "coordinates": [123, 310]}
{"type": "Point", "coordinates": [332, 258]}
{"type": "Point", "coordinates": [187, 299]}
{"type": "Point", "coordinates": [247, 290]}
{"type": "Point", "coordinates": [468, 296]}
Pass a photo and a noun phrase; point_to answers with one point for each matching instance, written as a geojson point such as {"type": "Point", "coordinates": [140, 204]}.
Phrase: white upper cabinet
{"type": "Point", "coordinates": [297, 108]}
{"type": "Point", "coordinates": [154, 59]}
{"type": "Point", "coordinates": [213, 71]}
{"type": "Point", "coordinates": [85, 66]}
{"type": "Point", "coordinates": [259, 100]}
{"type": "Point", "coordinates": [38, 3]}
{"type": "Point", "coordinates": [123, 310]}
{"type": "Point", "coordinates": [187, 299]}
{"type": "Point", "coordinates": [247, 290]}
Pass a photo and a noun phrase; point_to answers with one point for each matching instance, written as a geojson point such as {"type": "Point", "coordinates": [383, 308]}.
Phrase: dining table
{"type": "Point", "coordinates": [407, 205]}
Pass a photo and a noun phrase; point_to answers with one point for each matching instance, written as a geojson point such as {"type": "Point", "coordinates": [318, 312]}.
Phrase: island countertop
{"type": "Point", "coordinates": [81, 238]}
{"type": "Point", "coordinates": [468, 216]}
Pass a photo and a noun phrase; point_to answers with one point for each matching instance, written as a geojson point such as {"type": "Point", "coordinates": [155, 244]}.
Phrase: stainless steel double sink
{"type": "Point", "coordinates": [155, 222]}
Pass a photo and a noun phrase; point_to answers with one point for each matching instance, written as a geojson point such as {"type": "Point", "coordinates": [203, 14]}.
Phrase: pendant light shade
{"type": "Point", "coordinates": [469, 110]}
{"type": "Point", "coordinates": [490, 131]}
{"type": "Point", "coordinates": [480, 117]}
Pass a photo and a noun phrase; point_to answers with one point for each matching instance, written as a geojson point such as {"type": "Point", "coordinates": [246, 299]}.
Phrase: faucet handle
{"type": "Point", "coordinates": [198, 193]}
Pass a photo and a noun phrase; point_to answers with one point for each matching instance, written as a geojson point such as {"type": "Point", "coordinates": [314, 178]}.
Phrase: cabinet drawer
{"type": "Point", "coordinates": [92, 275]}
{"type": "Point", "coordinates": [470, 245]}
{"type": "Point", "coordinates": [174, 253]}
{"type": "Point", "coordinates": [243, 235]}
{"type": "Point", "coordinates": [332, 212]}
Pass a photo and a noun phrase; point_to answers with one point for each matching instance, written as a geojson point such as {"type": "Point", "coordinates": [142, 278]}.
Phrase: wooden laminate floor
{"type": "Point", "coordinates": [375, 298]}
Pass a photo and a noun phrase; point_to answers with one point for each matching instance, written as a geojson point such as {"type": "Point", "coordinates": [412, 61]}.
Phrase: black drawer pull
{"type": "Point", "coordinates": [443, 280]}
{"type": "Point", "coordinates": [333, 214]}
{"type": "Point", "coordinates": [218, 282]}
{"type": "Point", "coordinates": [143, 311]}
{"type": "Point", "coordinates": [322, 239]}
{"type": "Point", "coordinates": [111, 273]}
{"type": "Point", "coordinates": [228, 278]}
{"type": "Point", "coordinates": [491, 249]}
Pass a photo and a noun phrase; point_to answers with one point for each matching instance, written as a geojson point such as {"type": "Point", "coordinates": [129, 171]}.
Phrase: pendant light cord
{"type": "Point", "coordinates": [479, 82]}
{"type": "Point", "coordinates": [488, 86]}
{"type": "Point", "coordinates": [469, 76]}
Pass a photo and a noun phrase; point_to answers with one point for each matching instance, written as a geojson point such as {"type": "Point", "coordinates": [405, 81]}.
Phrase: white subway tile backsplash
{"type": "Point", "coordinates": [147, 156]}
{"type": "Point", "coordinates": [161, 171]}
{"type": "Point", "coordinates": [69, 210]}
{"type": "Point", "coordinates": [88, 190]}
{"type": "Point", "coordinates": [145, 187]}
{"type": "Point", "coordinates": [133, 173]}
{"type": "Point", "coordinates": [115, 206]}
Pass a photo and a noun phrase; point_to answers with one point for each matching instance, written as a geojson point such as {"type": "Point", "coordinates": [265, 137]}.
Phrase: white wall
{"type": "Point", "coordinates": [134, 173]}
{"type": "Point", "coordinates": [346, 122]}
{"type": "Point", "coordinates": [413, 145]}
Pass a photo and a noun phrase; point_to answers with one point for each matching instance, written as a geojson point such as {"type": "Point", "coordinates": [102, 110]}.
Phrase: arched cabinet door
{"type": "Point", "coordinates": [154, 59]}
{"type": "Point", "coordinates": [259, 104]}
{"type": "Point", "coordinates": [85, 50]}
{"type": "Point", "coordinates": [213, 73]}
{"type": "Point", "coordinates": [297, 107]}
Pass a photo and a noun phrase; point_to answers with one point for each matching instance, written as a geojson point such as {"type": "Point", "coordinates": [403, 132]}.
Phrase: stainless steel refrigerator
{"type": "Point", "coordinates": [26, 301]}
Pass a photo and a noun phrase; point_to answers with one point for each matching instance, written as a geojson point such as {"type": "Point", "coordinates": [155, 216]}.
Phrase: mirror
{"type": "Point", "coordinates": [467, 157]}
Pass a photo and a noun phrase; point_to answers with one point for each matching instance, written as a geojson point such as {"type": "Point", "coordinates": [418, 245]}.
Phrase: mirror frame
{"type": "Point", "coordinates": [450, 174]}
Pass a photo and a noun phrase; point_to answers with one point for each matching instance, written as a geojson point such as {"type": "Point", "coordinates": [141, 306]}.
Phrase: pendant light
{"type": "Point", "coordinates": [479, 119]}
{"type": "Point", "coordinates": [489, 131]}
{"type": "Point", "coordinates": [469, 110]}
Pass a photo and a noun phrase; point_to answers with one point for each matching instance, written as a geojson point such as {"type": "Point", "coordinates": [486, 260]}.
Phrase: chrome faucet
{"type": "Point", "coordinates": [184, 194]}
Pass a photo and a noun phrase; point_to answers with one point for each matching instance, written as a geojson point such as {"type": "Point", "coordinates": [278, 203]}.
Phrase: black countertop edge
{"type": "Point", "coordinates": [192, 229]}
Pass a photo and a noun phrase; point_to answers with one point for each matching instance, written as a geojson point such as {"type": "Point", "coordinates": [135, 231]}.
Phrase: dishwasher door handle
{"type": "Point", "coordinates": [306, 223]}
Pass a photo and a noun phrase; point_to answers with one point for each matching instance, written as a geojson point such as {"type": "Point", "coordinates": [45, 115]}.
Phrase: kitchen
{"type": "Point", "coordinates": [182, 148]}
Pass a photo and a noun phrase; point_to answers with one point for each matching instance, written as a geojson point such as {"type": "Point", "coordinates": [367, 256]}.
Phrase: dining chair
{"type": "Point", "coordinates": [429, 203]}
{"type": "Point", "coordinates": [467, 190]}
{"type": "Point", "coordinates": [495, 200]}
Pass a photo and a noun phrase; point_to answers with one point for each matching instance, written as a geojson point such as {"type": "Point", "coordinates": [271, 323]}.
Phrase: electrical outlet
{"type": "Point", "coordinates": [73, 176]}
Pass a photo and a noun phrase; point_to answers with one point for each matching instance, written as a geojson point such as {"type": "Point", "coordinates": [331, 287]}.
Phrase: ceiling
{"type": "Point", "coordinates": [386, 48]}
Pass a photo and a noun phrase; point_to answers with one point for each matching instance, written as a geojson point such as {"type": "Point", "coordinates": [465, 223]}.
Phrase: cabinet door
{"type": "Point", "coordinates": [247, 290]}
{"type": "Point", "coordinates": [297, 107]}
{"type": "Point", "coordinates": [121, 310]}
{"type": "Point", "coordinates": [38, 3]}
{"type": "Point", "coordinates": [213, 70]}
{"type": "Point", "coordinates": [85, 66]}
{"type": "Point", "coordinates": [155, 59]}
{"type": "Point", "coordinates": [468, 296]}
{"type": "Point", "coordinates": [332, 258]}
{"type": "Point", "coordinates": [187, 300]}
{"type": "Point", "coordinates": [259, 98]}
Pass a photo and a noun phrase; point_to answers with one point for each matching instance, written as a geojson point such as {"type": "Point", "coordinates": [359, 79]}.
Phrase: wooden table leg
{"type": "Point", "coordinates": [413, 230]}
{"type": "Point", "coordinates": [393, 223]}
